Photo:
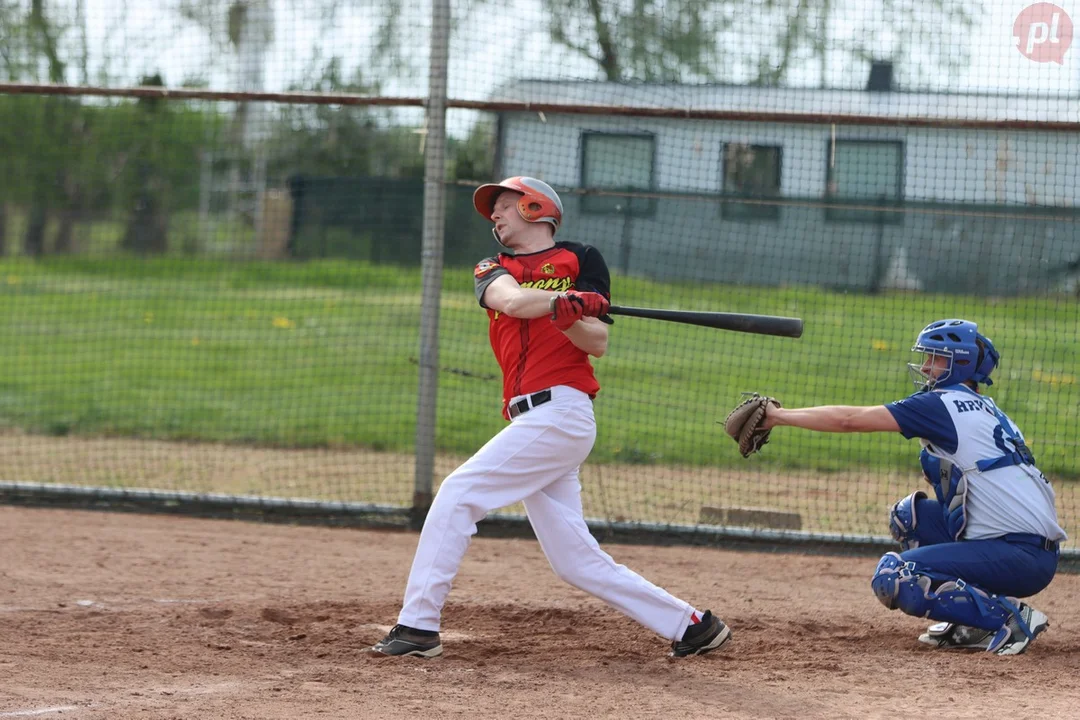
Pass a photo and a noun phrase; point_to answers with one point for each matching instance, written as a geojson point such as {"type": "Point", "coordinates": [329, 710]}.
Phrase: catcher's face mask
{"type": "Point", "coordinates": [935, 368]}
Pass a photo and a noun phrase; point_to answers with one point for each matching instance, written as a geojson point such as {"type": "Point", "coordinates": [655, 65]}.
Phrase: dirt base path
{"type": "Point", "coordinates": [127, 616]}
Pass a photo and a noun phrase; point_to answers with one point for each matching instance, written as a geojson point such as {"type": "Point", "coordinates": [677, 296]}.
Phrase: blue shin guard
{"type": "Point", "coordinates": [899, 586]}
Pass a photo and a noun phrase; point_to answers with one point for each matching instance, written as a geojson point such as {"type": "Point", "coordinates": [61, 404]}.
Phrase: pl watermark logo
{"type": "Point", "coordinates": [1043, 33]}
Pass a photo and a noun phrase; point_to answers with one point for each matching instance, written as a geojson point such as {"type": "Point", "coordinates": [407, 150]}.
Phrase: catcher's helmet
{"type": "Point", "coordinates": [970, 355]}
{"type": "Point", "coordinates": [538, 201]}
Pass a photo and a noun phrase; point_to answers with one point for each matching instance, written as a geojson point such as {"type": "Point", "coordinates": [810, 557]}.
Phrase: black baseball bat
{"type": "Point", "coordinates": [739, 322]}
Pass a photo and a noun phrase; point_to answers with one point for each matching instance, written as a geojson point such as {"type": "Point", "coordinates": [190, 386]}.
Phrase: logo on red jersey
{"type": "Point", "coordinates": [556, 284]}
{"type": "Point", "coordinates": [547, 269]}
{"type": "Point", "coordinates": [484, 267]}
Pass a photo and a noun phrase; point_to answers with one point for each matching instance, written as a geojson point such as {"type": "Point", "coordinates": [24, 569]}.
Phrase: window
{"type": "Point", "coordinates": [751, 172]}
{"type": "Point", "coordinates": [617, 162]}
{"type": "Point", "coordinates": [865, 172]}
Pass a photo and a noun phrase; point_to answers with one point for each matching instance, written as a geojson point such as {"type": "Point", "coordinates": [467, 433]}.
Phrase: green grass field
{"type": "Point", "coordinates": [323, 354]}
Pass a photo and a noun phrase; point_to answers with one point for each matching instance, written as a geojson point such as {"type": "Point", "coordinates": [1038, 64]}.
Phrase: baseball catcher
{"type": "Point", "coordinates": [987, 532]}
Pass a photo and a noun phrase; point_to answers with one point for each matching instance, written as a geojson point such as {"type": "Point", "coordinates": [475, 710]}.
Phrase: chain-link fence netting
{"type": "Point", "coordinates": [217, 294]}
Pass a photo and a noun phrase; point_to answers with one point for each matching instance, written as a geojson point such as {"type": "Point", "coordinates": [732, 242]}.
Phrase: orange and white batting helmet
{"type": "Point", "coordinates": [538, 201]}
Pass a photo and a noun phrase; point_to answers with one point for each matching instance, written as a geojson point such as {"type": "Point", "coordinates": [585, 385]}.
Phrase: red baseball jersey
{"type": "Point", "coordinates": [533, 354]}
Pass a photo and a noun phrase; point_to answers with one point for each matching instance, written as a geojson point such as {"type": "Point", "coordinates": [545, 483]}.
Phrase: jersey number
{"type": "Point", "coordinates": [1018, 446]}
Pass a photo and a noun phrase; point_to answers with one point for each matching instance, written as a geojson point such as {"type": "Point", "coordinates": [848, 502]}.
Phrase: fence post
{"type": "Point", "coordinates": [431, 259]}
{"type": "Point", "coordinates": [624, 245]}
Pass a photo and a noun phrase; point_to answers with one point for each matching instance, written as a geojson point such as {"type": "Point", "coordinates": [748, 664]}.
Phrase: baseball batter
{"type": "Point", "coordinates": [990, 533]}
{"type": "Point", "coordinates": [547, 306]}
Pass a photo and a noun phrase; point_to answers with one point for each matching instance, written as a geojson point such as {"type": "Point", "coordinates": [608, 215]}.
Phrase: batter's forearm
{"type": "Point", "coordinates": [590, 335]}
{"type": "Point", "coordinates": [504, 295]}
{"type": "Point", "coordinates": [528, 303]}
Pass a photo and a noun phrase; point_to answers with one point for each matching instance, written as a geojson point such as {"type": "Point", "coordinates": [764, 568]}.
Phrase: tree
{"type": "Point", "coordinates": [473, 159]}
{"type": "Point", "coordinates": [761, 42]}
{"type": "Point", "coordinates": [43, 39]}
{"type": "Point", "coordinates": [148, 222]}
{"type": "Point", "coordinates": [249, 32]}
{"type": "Point", "coordinates": [48, 132]}
{"type": "Point", "coordinates": [924, 41]}
{"type": "Point", "coordinates": [650, 40]}
{"type": "Point", "coordinates": [322, 139]}
{"type": "Point", "coordinates": [13, 32]}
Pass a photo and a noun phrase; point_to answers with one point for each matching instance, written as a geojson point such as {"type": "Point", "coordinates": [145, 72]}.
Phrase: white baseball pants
{"type": "Point", "coordinates": [535, 459]}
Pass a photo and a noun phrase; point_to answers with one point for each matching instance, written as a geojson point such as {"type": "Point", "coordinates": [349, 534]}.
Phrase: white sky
{"type": "Point", "coordinates": [128, 38]}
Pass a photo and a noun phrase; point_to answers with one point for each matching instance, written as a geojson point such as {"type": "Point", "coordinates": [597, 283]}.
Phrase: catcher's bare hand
{"type": "Point", "coordinates": [746, 423]}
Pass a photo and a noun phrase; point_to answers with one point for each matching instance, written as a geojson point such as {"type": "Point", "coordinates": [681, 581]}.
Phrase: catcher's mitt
{"type": "Point", "coordinates": [743, 423]}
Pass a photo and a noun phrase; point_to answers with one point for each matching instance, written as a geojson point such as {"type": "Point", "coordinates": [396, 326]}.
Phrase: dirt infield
{"type": "Point", "coordinates": [127, 616]}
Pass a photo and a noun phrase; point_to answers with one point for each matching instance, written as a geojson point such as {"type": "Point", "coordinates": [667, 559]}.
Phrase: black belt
{"type": "Point", "coordinates": [527, 403]}
{"type": "Point", "coordinates": [1044, 543]}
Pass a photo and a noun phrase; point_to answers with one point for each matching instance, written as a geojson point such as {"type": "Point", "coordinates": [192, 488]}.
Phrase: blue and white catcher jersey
{"type": "Point", "coordinates": [1006, 493]}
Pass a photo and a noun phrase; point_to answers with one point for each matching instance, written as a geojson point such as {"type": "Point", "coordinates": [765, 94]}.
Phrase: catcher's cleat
{"type": "Point", "coordinates": [703, 637]}
{"type": "Point", "coordinates": [1014, 637]}
{"type": "Point", "coordinates": [403, 640]}
{"type": "Point", "coordinates": [958, 637]}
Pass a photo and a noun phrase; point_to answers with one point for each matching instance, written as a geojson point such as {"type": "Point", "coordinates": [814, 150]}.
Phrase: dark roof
{"type": "Point", "coordinates": [801, 101]}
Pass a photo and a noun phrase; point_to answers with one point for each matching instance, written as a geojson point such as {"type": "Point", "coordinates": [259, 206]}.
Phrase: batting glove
{"type": "Point", "coordinates": [593, 304]}
{"type": "Point", "coordinates": [566, 310]}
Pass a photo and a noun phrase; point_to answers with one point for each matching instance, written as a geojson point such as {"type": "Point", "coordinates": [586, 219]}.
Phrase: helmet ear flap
{"type": "Point", "coordinates": [988, 360]}
{"type": "Point", "coordinates": [529, 207]}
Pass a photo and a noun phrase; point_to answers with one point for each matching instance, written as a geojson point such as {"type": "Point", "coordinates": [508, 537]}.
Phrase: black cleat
{"type": "Point", "coordinates": [702, 637]}
{"type": "Point", "coordinates": [403, 640]}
